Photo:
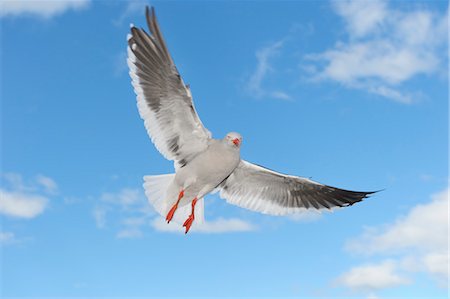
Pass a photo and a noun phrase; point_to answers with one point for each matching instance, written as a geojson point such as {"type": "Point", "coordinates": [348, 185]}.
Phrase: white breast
{"type": "Point", "coordinates": [208, 169]}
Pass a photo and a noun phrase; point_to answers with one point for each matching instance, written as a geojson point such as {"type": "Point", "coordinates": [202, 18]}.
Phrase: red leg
{"type": "Point", "coordinates": [190, 219]}
{"type": "Point", "coordinates": [174, 207]}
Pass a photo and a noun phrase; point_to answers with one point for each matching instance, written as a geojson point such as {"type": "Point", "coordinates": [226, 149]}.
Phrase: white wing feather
{"type": "Point", "coordinates": [260, 189]}
{"type": "Point", "coordinates": [164, 101]}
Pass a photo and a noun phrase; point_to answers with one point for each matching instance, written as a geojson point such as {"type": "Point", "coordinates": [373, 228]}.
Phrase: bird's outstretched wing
{"type": "Point", "coordinates": [164, 101]}
{"type": "Point", "coordinates": [260, 189]}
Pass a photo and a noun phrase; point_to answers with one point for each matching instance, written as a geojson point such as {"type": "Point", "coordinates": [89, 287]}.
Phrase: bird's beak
{"type": "Point", "coordinates": [236, 141]}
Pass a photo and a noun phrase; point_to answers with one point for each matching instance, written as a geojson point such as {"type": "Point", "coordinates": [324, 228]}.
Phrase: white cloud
{"type": "Point", "coordinates": [377, 60]}
{"type": "Point", "coordinates": [255, 85]}
{"type": "Point", "coordinates": [437, 263]}
{"type": "Point", "coordinates": [25, 199]}
{"type": "Point", "coordinates": [21, 205]}
{"type": "Point", "coordinates": [372, 277]}
{"type": "Point", "coordinates": [415, 242]}
{"type": "Point", "coordinates": [423, 229]}
{"type": "Point", "coordinates": [361, 17]}
{"type": "Point", "coordinates": [44, 9]}
{"type": "Point", "coordinates": [48, 183]}
{"type": "Point", "coordinates": [385, 48]}
{"type": "Point", "coordinates": [217, 226]}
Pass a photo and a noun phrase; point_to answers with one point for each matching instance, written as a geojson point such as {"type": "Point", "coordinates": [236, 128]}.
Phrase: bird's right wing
{"type": "Point", "coordinates": [260, 189]}
{"type": "Point", "coordinates": [164, 101]}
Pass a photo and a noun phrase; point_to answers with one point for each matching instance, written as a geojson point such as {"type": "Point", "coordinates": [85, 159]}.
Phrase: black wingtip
{"type": "Point", "coordinates": [372, 192]}
{"type": "Point", "coordinates": [349, 198]}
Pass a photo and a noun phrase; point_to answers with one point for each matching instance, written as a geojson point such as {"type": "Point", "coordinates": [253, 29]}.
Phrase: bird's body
{"type": "Point", "coordinates": [205, 172]}
{"type": "Point", "coordinates": [204, 164]}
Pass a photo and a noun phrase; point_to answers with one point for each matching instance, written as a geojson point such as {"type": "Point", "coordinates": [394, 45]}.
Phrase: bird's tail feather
{"type": "Point", "coordinates": [162, 193]}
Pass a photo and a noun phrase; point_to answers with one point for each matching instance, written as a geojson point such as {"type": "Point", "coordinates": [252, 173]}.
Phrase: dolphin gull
{"type": "Point", "coordinates": [204, 164]}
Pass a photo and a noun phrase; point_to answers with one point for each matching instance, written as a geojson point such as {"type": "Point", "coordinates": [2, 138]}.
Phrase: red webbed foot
{"type": "Point", "coordinates": [191, 217]}
{"type": "Point", "coordinates": [169, 215]}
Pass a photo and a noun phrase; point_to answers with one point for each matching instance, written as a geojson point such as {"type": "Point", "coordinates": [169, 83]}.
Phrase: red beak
{"type": "Point", "coordinates": [236, 141]}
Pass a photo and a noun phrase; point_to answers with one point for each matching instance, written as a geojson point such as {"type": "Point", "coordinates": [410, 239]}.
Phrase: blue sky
{"type": "Point", "coordinates": [353, 94]}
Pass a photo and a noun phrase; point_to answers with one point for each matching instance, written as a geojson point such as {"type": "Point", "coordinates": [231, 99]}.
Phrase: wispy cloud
{"type": "Point", "coordinates": [119, 64]}
{"type": "Point", "coordinates": [99, 214]}
{"type": "Point", "coordinates": [37, 184]}
{"type": "Point", "coordinates": [25, 200]}
{"type": "Point", "coordinates": [385, 47]}
{"type": "Point", "coordinates": [48, 183]}
{"type": "Point", "coordinates": [7, 238]}
{"type": "Point", "coordinates": [132, 8]}
{"type": "Point", "coordinates": [126, 209]}
{"type": "Point", "coordinates": [44, 9]}
{"type": "Point", "coordinates": [255, 84]}
{"type": "Point", "coordinates": [15, 181]}
{"type": "Point", "coordinates": [124, 198]}
{"type": "Point", "coordinates": [415, 242]}
{"type": "Point", "coordinates": [217, 226]}
{"type": "Point", "coordinates": [132, 227]}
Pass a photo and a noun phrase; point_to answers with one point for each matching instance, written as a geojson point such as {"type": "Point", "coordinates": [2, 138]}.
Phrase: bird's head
{"type": "Point", "coordinates": [234, 139]}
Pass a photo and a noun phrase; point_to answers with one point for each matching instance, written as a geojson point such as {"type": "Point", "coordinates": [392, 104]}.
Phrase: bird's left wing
{"type": "Point", "coordinates": [260, 189]}
{"type": "Point", "coordinates": [164, 101]}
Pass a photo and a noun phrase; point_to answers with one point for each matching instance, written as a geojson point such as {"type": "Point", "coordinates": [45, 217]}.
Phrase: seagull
{"type": "Point", "coordinates": [203, 164]}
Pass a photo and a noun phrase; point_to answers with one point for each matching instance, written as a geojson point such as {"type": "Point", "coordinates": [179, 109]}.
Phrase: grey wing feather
{"type": "Point", "coordinates": [164, 101]}
{"type": "Point", "coordinates": [260, 189]}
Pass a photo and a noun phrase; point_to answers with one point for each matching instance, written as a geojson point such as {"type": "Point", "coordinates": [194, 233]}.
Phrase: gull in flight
{"type": "Point", "coordinates": [204, 164]}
